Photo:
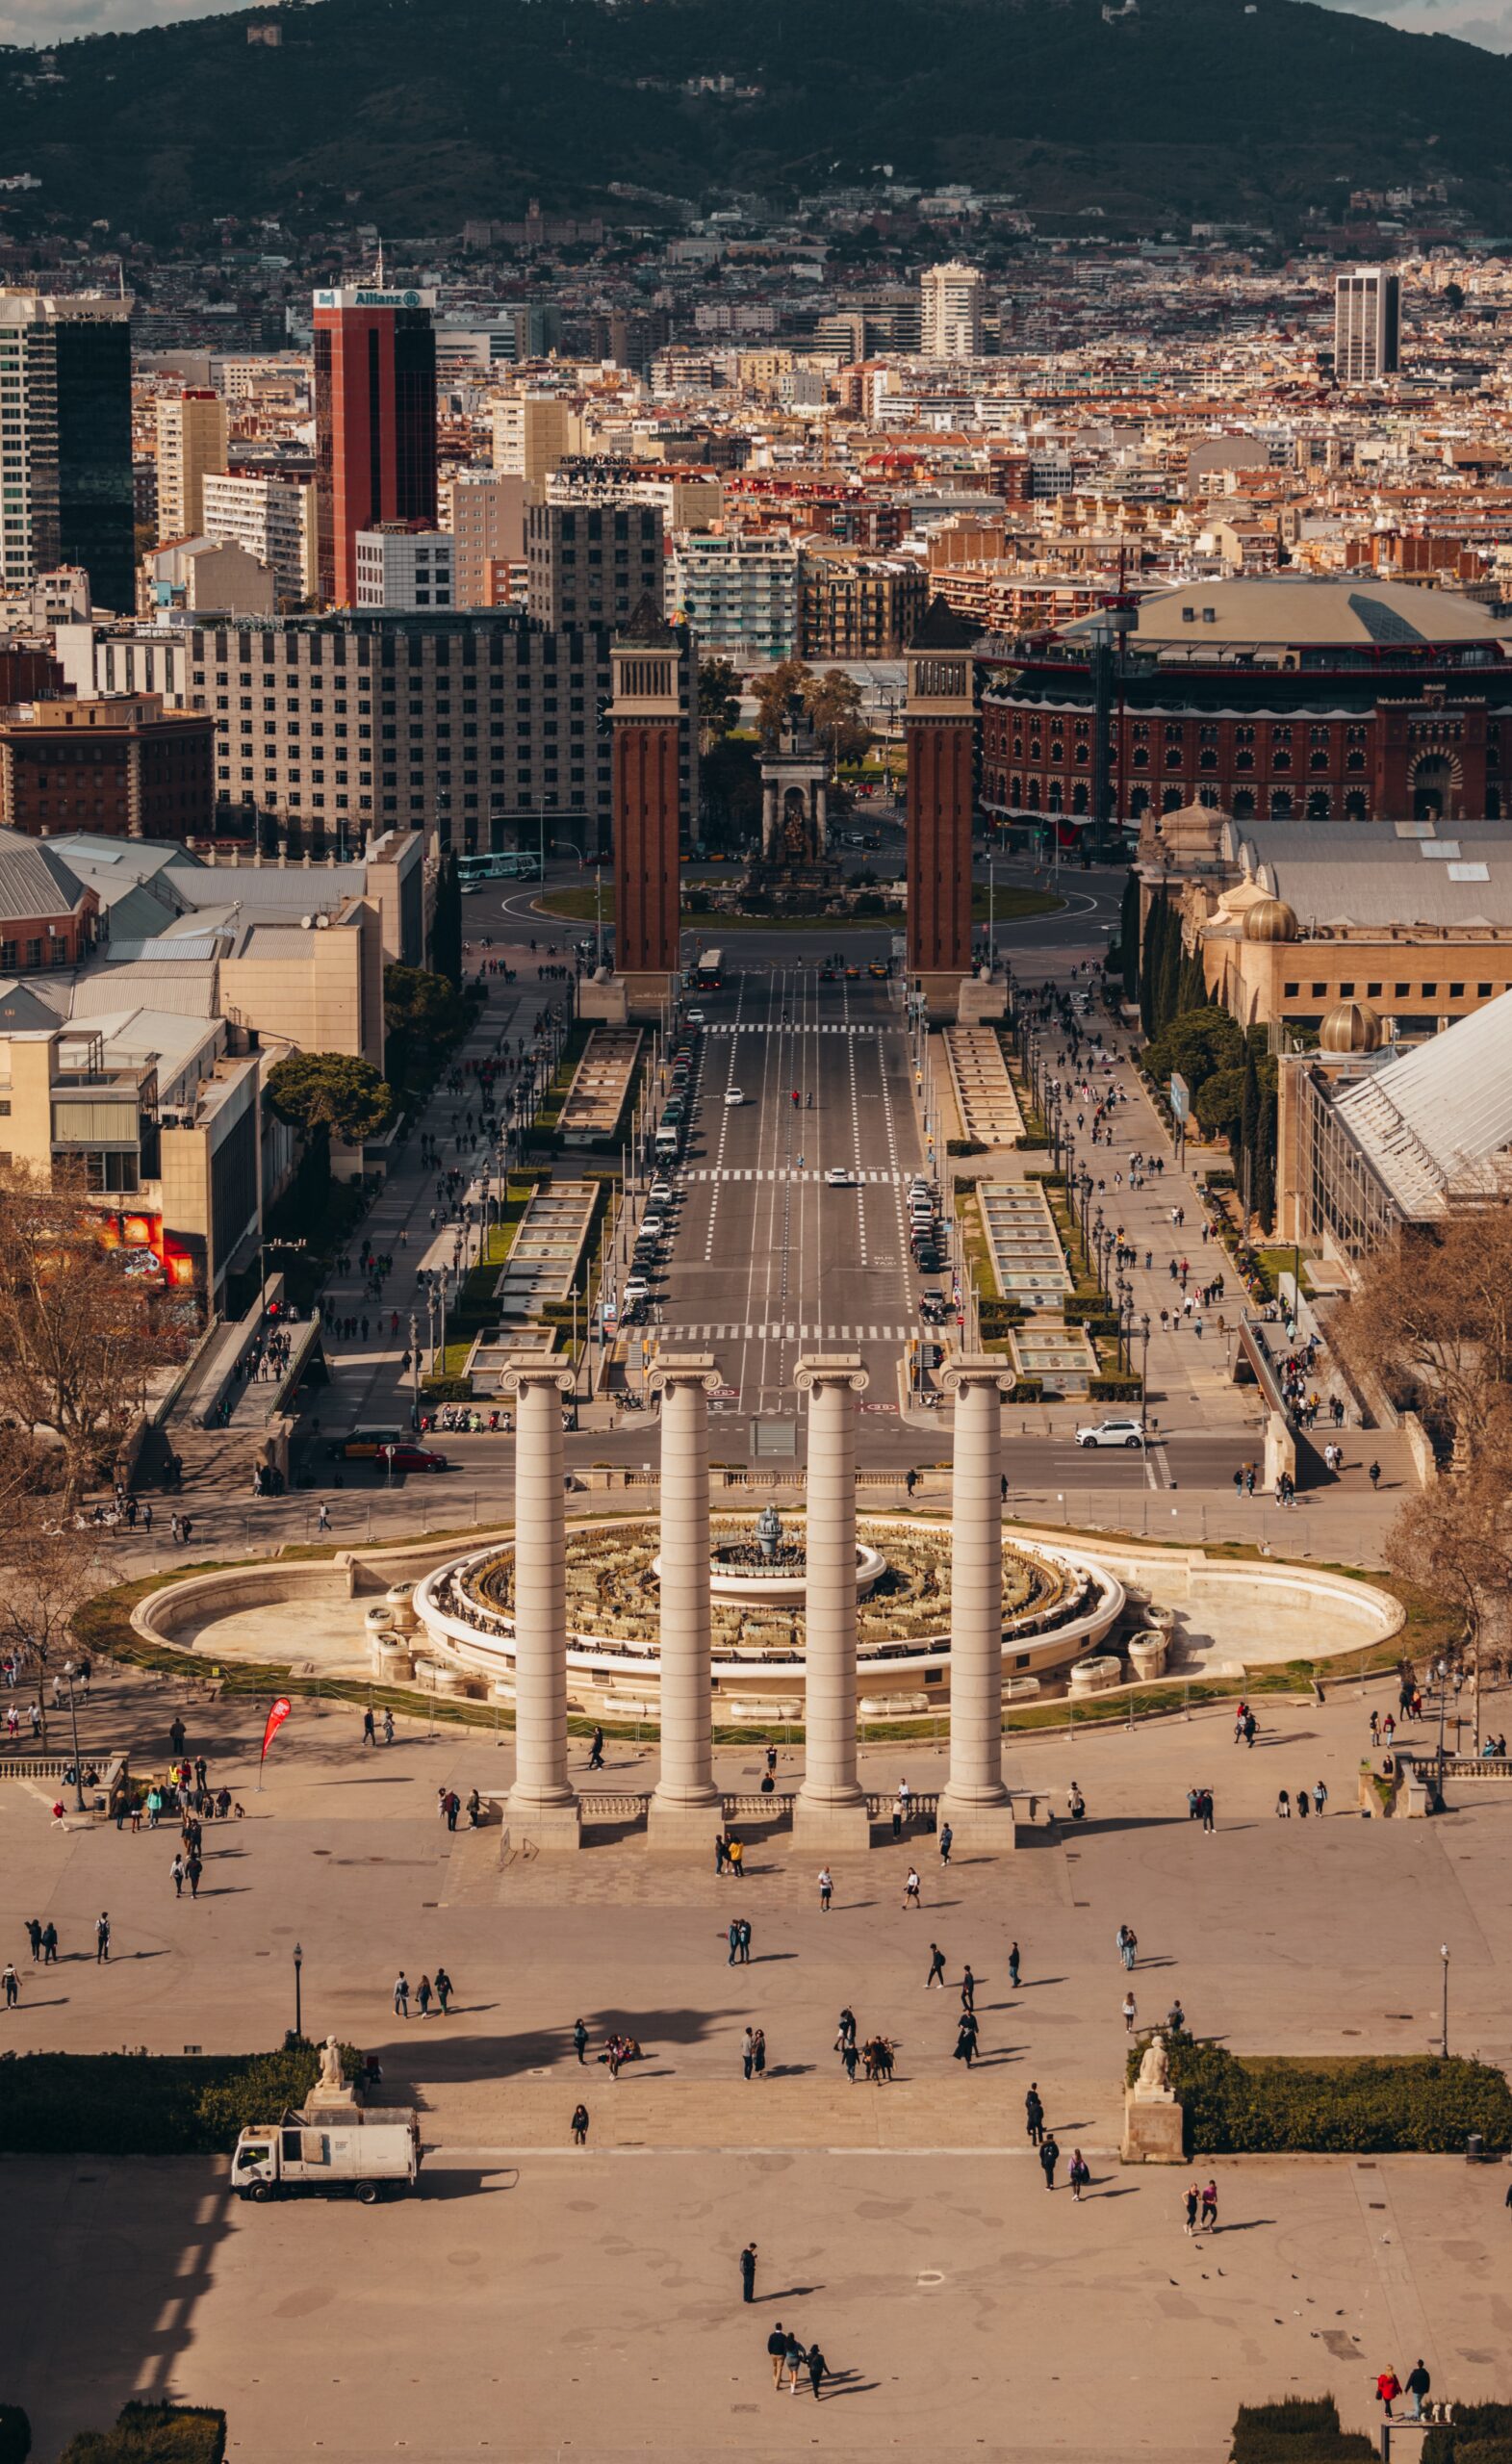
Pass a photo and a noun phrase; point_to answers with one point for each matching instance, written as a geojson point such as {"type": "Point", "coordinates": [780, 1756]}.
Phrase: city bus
{"type": "Point", "coordinates": [475, 872]}
{"type": "Point", "coordinates": [708, 971]}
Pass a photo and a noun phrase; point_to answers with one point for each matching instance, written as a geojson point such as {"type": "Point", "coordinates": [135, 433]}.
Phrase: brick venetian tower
{"type": "Point", "coordinates": [649, 662]}
{"type": "Point", "coordinates": [939, 720]}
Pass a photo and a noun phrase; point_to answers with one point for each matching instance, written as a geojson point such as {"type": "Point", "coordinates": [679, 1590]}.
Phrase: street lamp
{"type": "Point", "coordinates": [1444, 2036]}
{"type": "Point", "coordinates": [73, 1715]}
{"type": "Point", "coordinates": [1144, 1377]}
{"type": "Point", "coordinates": [298, 2003]}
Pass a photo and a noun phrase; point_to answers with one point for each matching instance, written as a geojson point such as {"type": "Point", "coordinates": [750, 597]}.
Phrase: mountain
{"type": "Point", "coordinates": [416, 113]}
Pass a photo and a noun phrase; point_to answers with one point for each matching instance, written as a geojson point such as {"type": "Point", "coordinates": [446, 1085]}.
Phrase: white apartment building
{"type": "Point", "coordinates": [193, 438]}
{"type": "Point", "coordinates": [532, 434]}
{"type": "Point", "coordinates": [273, 518]}
{"type": "Point", "coordinates": [952, 303]}
{"type": "Point", "coordinates": [404, 568]}
{"type": "Point", "coordinates": [1367, 325]}
{"type": "Point", "coordinates": [739, 595]}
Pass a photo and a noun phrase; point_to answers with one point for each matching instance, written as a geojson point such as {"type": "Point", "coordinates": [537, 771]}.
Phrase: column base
{"type": "Point", "coordinates": [555, 1830]}
{"type": "Point", "coordinates": [683, 1829]}
{"type": "Point", "coordinates": [1154, 2129]}
{"type": "Point", "coordinates": [979, 1828]}
{"type": "Point", "coordinates": [832, 1829]}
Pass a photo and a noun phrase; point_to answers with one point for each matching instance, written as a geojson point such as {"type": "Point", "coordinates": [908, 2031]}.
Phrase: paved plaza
{"type": "Point", "coordinates": [542, 2300]}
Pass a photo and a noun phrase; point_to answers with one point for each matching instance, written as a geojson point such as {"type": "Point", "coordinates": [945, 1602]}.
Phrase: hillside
{"type": "Point", "coordinates": [416, 112]}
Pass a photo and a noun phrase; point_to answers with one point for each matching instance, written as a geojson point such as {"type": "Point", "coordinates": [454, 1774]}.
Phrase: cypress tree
{"type": "Point", "coordinates": [1167, 1000]}
{"type": "Point", "coordinates": [1150, 961]}
{"type": "Point", "coordinates": [1264, 1175]}
{"type": "Point", "coordinates": [445, 932]}
{"type": "Point", "coordinates": [1129, 935]}
{"type": "Point", "coordinates": [1248, 1129]}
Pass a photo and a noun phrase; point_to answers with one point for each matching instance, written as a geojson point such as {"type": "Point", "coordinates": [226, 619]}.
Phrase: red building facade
{"type": "Point", "coordinates": [940, 729]}
{"type": "Point", "coordinates": [647, 719]}
{"type": "Point", "coordinates": [374, 420]}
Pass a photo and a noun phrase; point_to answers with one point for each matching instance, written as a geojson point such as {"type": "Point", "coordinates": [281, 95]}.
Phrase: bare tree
{"type": "Point", "coordinates": [1431, 1317]}
{"type": "Point", "coordinates": [77, 1334]}
{"type": "Point", "coordinates": [47, 1570]}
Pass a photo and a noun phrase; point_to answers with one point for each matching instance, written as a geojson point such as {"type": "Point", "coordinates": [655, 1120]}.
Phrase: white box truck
{"type": "Point", "coordinates": [363, 2159]}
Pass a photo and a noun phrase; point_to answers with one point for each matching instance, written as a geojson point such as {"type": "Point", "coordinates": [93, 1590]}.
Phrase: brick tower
{"type": "Point", "coordinates": [941, 726]}
{"type": "Point", "coordinates": [648, 715]}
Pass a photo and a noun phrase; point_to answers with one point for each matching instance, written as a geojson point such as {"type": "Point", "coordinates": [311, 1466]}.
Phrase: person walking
{"type": "Point", "coordinates": [818, 2369]}
{"type": "Point", "coordinates": [1081, 2174]}
{"type": "Point", "coordinates": [49, 1944]}
{"type": "Point", "coordinates": [793, 2360]}
{"type": "Point", "coordinates": [937, 1974]}
{"type": "Point", "coordinates": [1303, 1805]}
{"type": "Point", "coordinates": [1419, 2383]}
{"type": "Point", "coordinates": [11, 1984]}
{"type": "Point", "coordinates": [176, 1875]}
{"type": "Point", "coordinates": [401, 1996]}
{"type": "Point", "coordinates": [748, 2052]}
{"type": "Point", "coordinates": [1387, 2387]}
{"type": "Point", "coordinates": [1320, 1798]}
{"type": "Point", "coordinates": [946, 1838]}
{"type": "Point", "coordinates": [776, 2353]}
{"type": "Point", "coordinates": [826, 1889]}
{"type": "Point", "coordinates": [369, 1726]}
{"type": "Point", "coordinates": [968, 1989]}
{"type": "Point", "coordinates": [1190, 2201]}
{"type": "Point", "coordinates": [1210, 2208]}
{"type": "Point", "coordinates": [580, 2125]}
{"type": "Point", "coordinates": [966, 2038]}
{"type": "Point", "coordinates": [596, 1751]}
{"type": "Point", "coordinates": [34, 1935]}
{"type": "Point", "coordinates": [1014, 1960]}
{"type": "Point", "coordinates": [732, 1937]}
{"type": "Point", "coordinates": [193, 1868]}
{"type": "Point", "coordinates": [1376, 1482]}
{"type": "Point", "coordinates": [580, 2041]}
{"type": "Point", "coordinates": [911, 1889]}
{"type": "Point", "coordinates": [387, 1727]}
{"type": "Point", "coordinates": [1283, 1807]}
{"type": "Point", "coordinates": [422, 1997]}
{"type": "Point", "coordinates": [1033, 2116]}
{"type": "Point", "coordinates": [747, 2260]}
{"type": "Point", "coordinates": [1049, 2158]}
{"type": "Point", "coordinates": [102, 1938]}
{"type": "Point", "coordinates": [445, 1989]}
{"type": "Point", "coordinates": [1131, 2012]}
{"type": "Point", "coordinates": [759, 2053]}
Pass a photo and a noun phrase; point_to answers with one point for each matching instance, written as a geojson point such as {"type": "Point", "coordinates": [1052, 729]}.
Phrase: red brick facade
{"type": "Point", "coordinates": [941, 770]}
{"type": "Point", "coordinates": [646, 848]}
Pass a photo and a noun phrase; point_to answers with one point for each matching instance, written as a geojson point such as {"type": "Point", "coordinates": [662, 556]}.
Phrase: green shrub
{"type": "Point", "coordinates": [1301, 2430]}
{"type": "Point", "coordinates": [964, 1146]}
{"type": "Point", "coordinates": [1034, 1142]}
{"type": "Point", "coordinates": [1358, 2105]}
{"type": "Point", "coordinates": [1112, 1390]}
{"type": "Point", "coordinates": [1029, 1390]}
{"type": "Point", "coordinates": [1294, 2417]}
{"type": "Point", "coordinates": [133, 2104]}
{"type": "Point", "coordinates": [1482, 2434]}
{"type": "Point", "coordinates": [15, 2435]}
{"type": "Point", "coordinates": [153, 2435]}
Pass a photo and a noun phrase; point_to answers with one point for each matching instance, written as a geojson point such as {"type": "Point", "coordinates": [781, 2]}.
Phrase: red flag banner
{"type": "Point", "coordinates": [276, 1720]}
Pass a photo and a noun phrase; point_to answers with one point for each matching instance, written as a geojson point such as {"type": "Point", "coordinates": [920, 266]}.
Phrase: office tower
{"type": "Point", "coordinates": [1367, 325]}
{"type": "Point", "coordinates": [375, 422]}
{"type": "Point", "coordinates": [533, 433]}
{"type": "Point", "coordinates": [593, 564]}
{"type": "Point", "coordinates": [193, 439]}
{"type": "Point", "coordinates": [951, 306]}
{"type": "Point", "coordinates": [65, 464]}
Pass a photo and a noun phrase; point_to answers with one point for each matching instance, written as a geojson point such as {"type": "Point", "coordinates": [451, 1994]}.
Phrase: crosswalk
{"type": "Point", "coordinates": [756, 1173]}
{"type": "Point", "coordinates": [768, 1027]}
{"type": "Point", "coordinates": [777, 1330]}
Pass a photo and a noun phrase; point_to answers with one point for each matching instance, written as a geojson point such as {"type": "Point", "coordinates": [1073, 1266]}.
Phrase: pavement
{"type": "Point", "coordinates": [534, 2299]}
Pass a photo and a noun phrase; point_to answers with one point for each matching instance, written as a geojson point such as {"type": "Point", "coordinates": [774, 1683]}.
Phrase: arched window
{"type": "Point", "coordinates": [1243, 761]}
{"type": "Point", "coordinates": [1317, 804]}
{"type": "Point", "coordinates": [1055, 798]}
{"type": "Point", "coordinates": [1080, 798]}
{"type": "Point", "coordinates": [1015, 793]}
{"type": "Point", "coordinates": [1140, 757]}
{"type": "Point", "coordinates": [1032, 795]}
{"type": "Point", "coordinates": [1057, 749]}
{"type": "Point", "coordinates": [1317, 759]}
{"type": "Point", "coordinates": [1356, 805]}
{"type": "Point", "coordinates": [1139, 803]}
{"type": "Point", "coordinates": [1207, 758]}
{"type": "Point", "coordinates": [1245, 804]}
{"type": "Point", "coordinates": [1170, 800]}
{"type": "Point", "coordinates": [1354, 761]}
{"type": "Point", "coordinates": [1280, 804]}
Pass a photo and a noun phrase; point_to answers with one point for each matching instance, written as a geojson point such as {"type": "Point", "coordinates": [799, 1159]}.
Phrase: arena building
{"type": "Point", "coordinates": [1285, 698]}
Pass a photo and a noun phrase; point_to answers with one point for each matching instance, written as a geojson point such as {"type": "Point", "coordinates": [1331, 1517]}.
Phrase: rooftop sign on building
{"type": "Point", "coordinates": [355, 298]}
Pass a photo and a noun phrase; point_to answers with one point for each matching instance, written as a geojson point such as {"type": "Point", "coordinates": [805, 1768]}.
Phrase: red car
{"type": "Point", "coordinates": [407, 1457]}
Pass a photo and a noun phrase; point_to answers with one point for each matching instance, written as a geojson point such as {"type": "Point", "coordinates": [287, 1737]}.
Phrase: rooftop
{"type": "Point", "coordinates": [1433, 1123]}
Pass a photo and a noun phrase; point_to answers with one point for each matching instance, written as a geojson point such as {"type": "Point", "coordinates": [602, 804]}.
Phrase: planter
{"type": "Point", "coordinates": [391, 1659]}
{"type": "Point", "coordinates": [1147, 1653]}
{"type": "Point", "coordinates": [399, 1602]}
{"type": "Point", "coordinates": [1096, 1676]}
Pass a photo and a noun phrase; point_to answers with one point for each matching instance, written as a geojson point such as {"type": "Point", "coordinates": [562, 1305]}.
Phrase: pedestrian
{"type": "Point", "coordinates": [401, 1994]}
{"type": "Point", "coordinates": [369, 1726]}
{"type": "Point", "coordinates": [748, 2259]}
{"type": "Point", "coordinates": [1081, 2174]}
{"type": "Point", "coordinates": [1033, 2116]}
{"type": "Point", "coordinates": [1207, 1810]}
{"type": "Point", "coordinates": [937, 1974]}
{"type": "Point", "coordinates": [721, 1853]}
{"type": "Point", "coordinates": [1191, 2201]}
{"type": "Point", "coordinates": [49, 1944]}
{"type": "Point", "coordinates": [1376, 1482]}
{"type": "Point", "coordinates": [946, 1837]}
{"type": "Point", "coordinates": [911, 1889]}
{"type": "Point", "coordinates": [1128, 1944]}
{"type": "Point", "coordinates": [445, 1989]}
{"type": "Point", "coordinates": [1320, 1798]}
{"type": "Point", "coordinates": [1130, 2012]}
{"type": "Point", "coordinates": [759, 2053]}
{"type": "Point", "coordinates": [794, 2357]}
{"type": "Point", "coordinates": [102, 1938]}
{"type": "Point", "coordinates": [580, 2125]}
{"type": "Point", "coordinates": [1375, 1728]}
{"type": "Point", "coordinates": [966, 2038]}
{"type": "Point", "coordinates": [826, 1889]}
{"type": "Point", "coordinates": [580, 2041]}
{"type": "Point", "coordinates": [1013, 1958]}
{"type": "Point", "coordinates": [1303, 1804]}
{"type": "Point", "coordinates": [1209, 2207]}
{"type": "Point", "coordinates": [12, 1984]}
{"type": "Point", "coordinates": [34, 1935]}
{"type": "Point", "coordinates": [818, 2369]}
{"type": "Point", "coordinates": [596, 1751]}
{"type": "Point", "coordinates": [732, 1937]}
{"type": "Point", "coordinates": [776, 2350]}
{"type": "Point", "coordinates": [387, 1727]}
{"type": "Point", "coordinates": [968, 1991]}
{"type": "Point", "coordinates": [745, 1941]}
{"type": "Point", "coordinates": [1418, 2384]}
{"type": "Point", "coordinates": [736, 1853]}
{"type": "Point", "coordinates": [176, 1875]}
{"type": "Point", "coordinates": [422, 1997]}
{"type": "Point", "coordinates": [1387, 2387]}
{"type": "Point", "coordinates": [1283, 1807]}
{"type": "Point", "coordinates": [1049, 2158]}
{"type": "Point", "coordinates": [748, 2052]}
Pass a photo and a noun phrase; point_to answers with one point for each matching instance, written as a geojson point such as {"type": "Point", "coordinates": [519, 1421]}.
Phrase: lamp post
{"type": "Point", "coordinates": [1442, 1677]}
{"type": "Point", "coordinates": [73, 1716]}
{"type": "Point", "coordinates": [298, 2003]}
{"type": "Point", "coordinates": [1444, 2035]}
{"type": "Point", "coordinates": [414, 1370]}
{"type": "Point", "coordinates": [1144, 1377]}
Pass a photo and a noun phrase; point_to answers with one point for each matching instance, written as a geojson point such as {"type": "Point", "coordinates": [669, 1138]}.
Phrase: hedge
{"type": "Point", "coordinates": [15, 2435]}
{"type": "Point", "coordinates": [1360, 2104]}
{"type": "Point", "coordinates": [1302, 2430]}
{"type": "Point", "coordinates": [1114, 1390]}
{"type": "Point", "coordinates": [153, 2435]}
{"type": "Point", "coordinates": [143, 2104]}
{"type": "Point", "coordinates": [1479, 2434]}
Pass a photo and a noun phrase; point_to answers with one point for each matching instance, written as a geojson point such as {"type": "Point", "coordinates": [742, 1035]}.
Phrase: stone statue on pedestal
{"type": "Point", "coordinates": [331, 2064]}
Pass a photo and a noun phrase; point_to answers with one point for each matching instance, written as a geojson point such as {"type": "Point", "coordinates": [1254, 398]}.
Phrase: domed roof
{"type": "Point", "coordinates": [1271, 920]}
{"type": "Point", "coordinates": [1353, 1027]}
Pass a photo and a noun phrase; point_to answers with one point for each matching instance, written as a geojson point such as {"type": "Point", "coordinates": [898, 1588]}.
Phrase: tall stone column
{"type": "Point", "coordinates": [685, 1807]}
{"type": "Point", "coordinates": [975, 1801]}
{"type": "Point", "coordinates": [831, 1808]}
{"type": "Point", "coordinates": [543, 1805]}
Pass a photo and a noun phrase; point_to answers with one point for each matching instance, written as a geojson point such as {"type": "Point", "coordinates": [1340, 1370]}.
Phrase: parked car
{"type": "Point", "coordinates": [637, 1287]}
{"type": "Point", "coordinates": [1110, 1433]}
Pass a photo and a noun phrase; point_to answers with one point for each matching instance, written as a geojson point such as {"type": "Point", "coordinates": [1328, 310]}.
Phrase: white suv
{"type": "Point", "coordinates": [1110, 1433]}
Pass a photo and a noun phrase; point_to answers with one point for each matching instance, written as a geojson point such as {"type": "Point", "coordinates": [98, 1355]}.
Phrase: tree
{"type": "Point", "coordinates": [729, 783]}
{"type": "Point", "coordinates": [421, 1013]}
{"type": "Point", "coordinates": [1431, 1317]}
{"type": "Point", "coordinates": [78, 1334]}
{"type": "Point", "coordinates": [1216, 1104]}
{"type": "Point", "coordinates": [1452, 294]}
{"type": "Point", "coordinates": [445, 929]}
{"type": "Point", "coordinates": [317, 1093]}
{"type": "Point", "coordinates": [773, 691]}
{"type": "Point", "coordinates": [718, 696]}
{"type": "Point", "coordinates": [1129, 935]}
{"type": "Point", "coordinates": [1456, 1539]}
{"type": "Point", "coordinates": [834, 705]}
{"type": "Point", "coordinates": [49, 1571]}
{"type": "Point", "coordinates": [1248, 1130]}
{"type": "Point", "coordinates": [1265, 1164]}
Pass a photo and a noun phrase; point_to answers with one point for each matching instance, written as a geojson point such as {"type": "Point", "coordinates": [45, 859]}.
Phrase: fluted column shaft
{"type": "Point", "coordinates": [687, 1753]}
{"type": "Point", "coordinates": [829, 1707]}
{"type": "Point", "coordinates": [541, 1780]}
{"type": "Point", "coordinates": [976, 1590]}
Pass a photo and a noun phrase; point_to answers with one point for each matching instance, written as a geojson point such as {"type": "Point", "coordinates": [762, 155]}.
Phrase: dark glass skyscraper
{"type": "Point", "coordinates": [65, 476]}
